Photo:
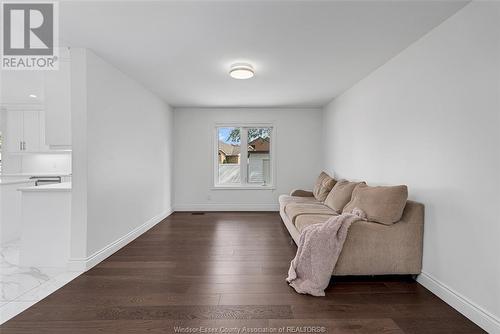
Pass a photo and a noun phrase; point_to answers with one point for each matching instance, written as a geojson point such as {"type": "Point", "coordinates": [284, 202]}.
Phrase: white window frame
{"type": "Point", "coordinates": [243, 155]}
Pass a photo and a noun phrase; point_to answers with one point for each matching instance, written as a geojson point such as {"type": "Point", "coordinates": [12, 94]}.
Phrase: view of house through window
{"type": "Point", "coordinates": [244, 156]}
{"type": "Point", "coordinates": [229, 153]}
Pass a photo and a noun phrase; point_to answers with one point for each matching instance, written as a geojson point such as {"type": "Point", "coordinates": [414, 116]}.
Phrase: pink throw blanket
{"type": "Point", "coordinates": [318, 251]}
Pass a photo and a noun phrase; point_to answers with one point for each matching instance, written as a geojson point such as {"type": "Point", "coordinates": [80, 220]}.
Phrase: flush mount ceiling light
{"type": "Point", "coordinates": [33, 96]}
{"type": "Point", "coordinates": [241, 71]}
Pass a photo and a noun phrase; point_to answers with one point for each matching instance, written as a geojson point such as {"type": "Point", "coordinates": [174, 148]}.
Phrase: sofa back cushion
{"type": "Point", "coordinates": [383, 205]}
{"type": "Point", "coordinates": [323, 185]}
{"type": "Point", "coordinates": [340, 195]}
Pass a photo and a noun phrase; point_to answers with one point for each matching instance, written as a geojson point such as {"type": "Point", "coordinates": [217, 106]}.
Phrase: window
{"type": "Point", "coordinates": [244, 156]}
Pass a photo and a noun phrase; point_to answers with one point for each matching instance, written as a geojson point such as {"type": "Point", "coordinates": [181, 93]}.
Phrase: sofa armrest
{"type": "Point", "coordinates": [301, 193]}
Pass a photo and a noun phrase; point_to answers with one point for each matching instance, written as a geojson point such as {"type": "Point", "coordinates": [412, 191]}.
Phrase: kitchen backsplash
{"type": "Point", "coordinates": [46, 163]}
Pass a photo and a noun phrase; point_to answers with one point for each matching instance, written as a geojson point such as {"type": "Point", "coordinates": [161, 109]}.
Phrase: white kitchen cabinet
{"type": "Point", "coordinates": [10, 208]}
{"type": "Point", "coordinates": [57, 85]}
{"type": "Point", "coordinates": [14, 130]}
{"type": "Point", "coordinates": [46, 225]}
{"type": "Point", "coordinates": [31, 131]}
{"type": "Point", "coordinates": [25, 131]}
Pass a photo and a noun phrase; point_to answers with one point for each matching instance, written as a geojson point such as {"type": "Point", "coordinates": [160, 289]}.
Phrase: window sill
{"type": "Point", "coordinates": [240, 187]}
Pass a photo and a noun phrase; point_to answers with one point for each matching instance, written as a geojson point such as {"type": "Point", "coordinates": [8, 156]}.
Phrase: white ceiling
{"type": "Point", "coordinates": [304, 52]}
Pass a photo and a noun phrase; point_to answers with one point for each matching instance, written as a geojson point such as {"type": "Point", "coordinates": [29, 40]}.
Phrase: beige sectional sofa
{"type": "Point", "coordinates": [371, 248]}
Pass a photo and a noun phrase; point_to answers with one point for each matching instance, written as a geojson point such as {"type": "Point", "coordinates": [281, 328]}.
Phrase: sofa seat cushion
{"type": "Point", "coordinates": [383, 205]}
{"type": "Point", "coordinates": [293, 210]}
{"type": "Point", "coordinates": [303, 221]}
{"type": "Point", "coordinates": [286, 199]}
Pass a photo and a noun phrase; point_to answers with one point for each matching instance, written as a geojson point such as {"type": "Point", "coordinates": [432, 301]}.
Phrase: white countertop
{"type": "Point", "coordinates": [64, 186]}
{"type": "Point", "coordinates": [15, 181]}
{"type": "Point", "coordinates": [34, 174]}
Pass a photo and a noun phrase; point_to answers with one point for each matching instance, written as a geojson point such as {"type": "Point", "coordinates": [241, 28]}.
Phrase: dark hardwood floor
{"type": "Point", "coordinates": [227, 270]}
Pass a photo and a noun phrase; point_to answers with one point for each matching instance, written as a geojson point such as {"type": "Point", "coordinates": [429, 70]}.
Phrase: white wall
{"type": "Point", "coordinates": [430, 118]}
{"type": "Point", "coordinates": [123, 155]}
{"type": "Point", "coordinates": [79, 157]}
{"type": "Point", "coordinates": [298, 162]}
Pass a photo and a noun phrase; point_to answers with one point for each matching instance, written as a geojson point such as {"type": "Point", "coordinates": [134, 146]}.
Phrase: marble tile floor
{"type": "Point", "coordinates": [22, 287]}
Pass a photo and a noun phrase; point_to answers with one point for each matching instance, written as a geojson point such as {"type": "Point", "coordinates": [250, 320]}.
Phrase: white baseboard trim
{"type": "Point", "coordinates": [84, 264]}
{"type": "Point", "coordinates": [227, 207]}
{"type": "Point", "coordinates": [472, 311]}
